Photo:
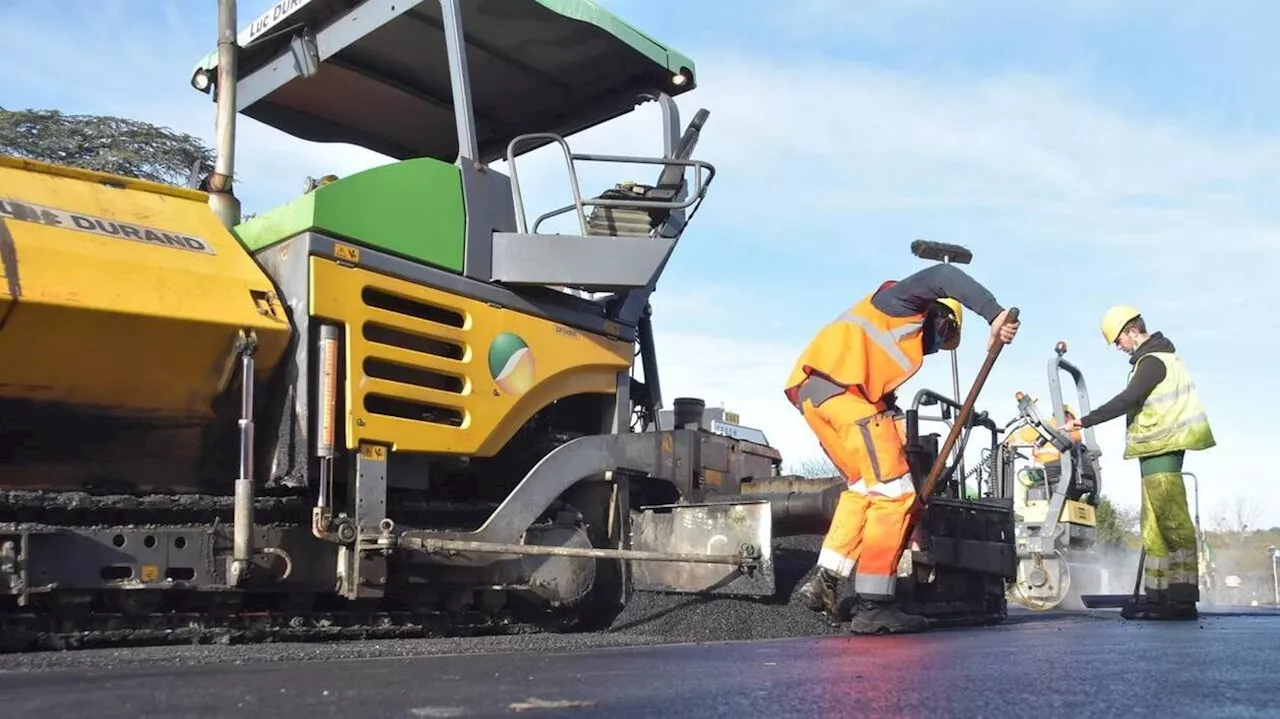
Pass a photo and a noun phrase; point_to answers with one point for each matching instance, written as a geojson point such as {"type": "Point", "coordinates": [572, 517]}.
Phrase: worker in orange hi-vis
{"type": "Point", "coordinates": [843, 384]}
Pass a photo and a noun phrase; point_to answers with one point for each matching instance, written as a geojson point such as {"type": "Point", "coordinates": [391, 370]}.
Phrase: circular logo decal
{"type": "Point", "coordinates": [511, 364]}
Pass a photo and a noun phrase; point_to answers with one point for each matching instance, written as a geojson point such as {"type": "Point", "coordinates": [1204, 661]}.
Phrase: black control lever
{"type": "Point", "coordinates": [1061, 441]}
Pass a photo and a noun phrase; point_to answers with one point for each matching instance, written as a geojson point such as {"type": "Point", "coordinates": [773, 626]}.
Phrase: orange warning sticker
{"type": "Point", "coordinates": [346, 253]}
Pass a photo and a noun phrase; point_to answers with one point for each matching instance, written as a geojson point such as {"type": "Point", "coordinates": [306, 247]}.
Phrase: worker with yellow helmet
{"type": "Point", "coordinates": [1165, 419]}
{"type": "Point", "coordinates": [843, 385]}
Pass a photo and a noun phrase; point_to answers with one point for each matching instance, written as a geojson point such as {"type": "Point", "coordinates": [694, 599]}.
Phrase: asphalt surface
{"type": "Point", "coordinates": [1043, 665]}
{"type": "Point", "coordinates": [674, 655]}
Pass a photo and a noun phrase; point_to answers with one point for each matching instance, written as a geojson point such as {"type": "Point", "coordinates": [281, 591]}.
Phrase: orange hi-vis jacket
{"type": "Point", "coordinates": [863, 350]}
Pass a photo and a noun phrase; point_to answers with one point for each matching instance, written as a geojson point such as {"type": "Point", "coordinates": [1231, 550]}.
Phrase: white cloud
{"type": "Point", "coordinates": [831, 143]}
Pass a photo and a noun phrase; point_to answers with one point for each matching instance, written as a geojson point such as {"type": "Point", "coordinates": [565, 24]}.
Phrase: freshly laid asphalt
{"type": "Point", "coordinates": [685, 656]}
{"type": "Point", "coordinates": [1042, 665]}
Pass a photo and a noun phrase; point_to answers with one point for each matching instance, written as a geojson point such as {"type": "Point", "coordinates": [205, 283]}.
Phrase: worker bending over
{"type": "Point", "coordinates": [1165, 419]}
{"type": "Point", "coordinates": [843, 384]}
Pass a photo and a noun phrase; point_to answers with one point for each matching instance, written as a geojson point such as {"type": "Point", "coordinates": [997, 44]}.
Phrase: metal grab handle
{"type": "Point", "coordinates": [1060, 440]}
{"type": "Point", "coordinates": [578, 203]}
{"type": "Point", "coordinates": [1056, 365]}
{"type": "Point", "coordinates": [521, 221]}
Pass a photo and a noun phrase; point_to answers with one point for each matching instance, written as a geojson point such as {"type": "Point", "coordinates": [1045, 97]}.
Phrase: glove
{"type": "Point", "coordinates": [890, 400]}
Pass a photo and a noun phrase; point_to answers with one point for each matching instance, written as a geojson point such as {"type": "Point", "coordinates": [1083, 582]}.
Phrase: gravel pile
{"type": "Point", "coordinates": [681, 617]}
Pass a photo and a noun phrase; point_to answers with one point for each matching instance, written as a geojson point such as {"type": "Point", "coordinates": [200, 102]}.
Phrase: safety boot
{"type": "Point", "coordinates": [885, 617]}
{"type": "Point", "coordinates": [819, 593]}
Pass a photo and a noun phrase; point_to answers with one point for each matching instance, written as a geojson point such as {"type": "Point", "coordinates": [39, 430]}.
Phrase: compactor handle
{"type": "Point", "coordinates": [1060, 440]}
{"type": "Point", "coordinates": [965, 410]}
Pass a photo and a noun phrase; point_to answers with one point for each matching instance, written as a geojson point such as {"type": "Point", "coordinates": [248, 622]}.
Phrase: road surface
{"type": "Point", "coordinates": [1088, 664]}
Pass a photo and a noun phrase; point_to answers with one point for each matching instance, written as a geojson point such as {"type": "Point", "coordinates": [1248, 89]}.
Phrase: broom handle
{"type": "Point", "coordinates": [963, 419]}
{"type": "Point", "coordinates": [1137, 581]}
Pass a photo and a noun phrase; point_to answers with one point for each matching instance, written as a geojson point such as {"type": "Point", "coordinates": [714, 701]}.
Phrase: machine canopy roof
{"type": "Point", "coordinates": [383, 77]}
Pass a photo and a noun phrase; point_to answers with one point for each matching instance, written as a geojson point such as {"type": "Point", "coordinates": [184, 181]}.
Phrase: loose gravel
{"type": "Point", "coordinates": [682, 617]}
{"type": "Point", "coordinates": [649, 619]}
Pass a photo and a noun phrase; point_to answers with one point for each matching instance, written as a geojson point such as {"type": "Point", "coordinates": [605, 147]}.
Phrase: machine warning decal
{"type": "Point", "coordinates": [347, 253]}
{"type": "Point", "coordinates": [150, 572]}
{"type": "Point", "coordinates": [101, 226]}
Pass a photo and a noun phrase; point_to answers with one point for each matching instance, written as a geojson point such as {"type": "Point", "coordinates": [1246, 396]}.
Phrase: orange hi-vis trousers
{"type": "Point", "coordinates": [872, 517]}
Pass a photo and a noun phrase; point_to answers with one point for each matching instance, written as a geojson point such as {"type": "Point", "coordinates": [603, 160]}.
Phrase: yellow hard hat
{"type": "Point", "coordinates": [1066, 409]}
{"type": "Point", "coordinates": [958, 313]}
{"type": "Point", "coordinates": [1114, 321]}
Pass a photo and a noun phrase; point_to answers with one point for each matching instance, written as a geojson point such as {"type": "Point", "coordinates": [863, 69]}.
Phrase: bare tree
{"type": "Point", "coordinates": [104, 143]}
{"type": "Point", "coordinates": [1235, 516]}
{"type": "Point", "coordinates": [815, 467]}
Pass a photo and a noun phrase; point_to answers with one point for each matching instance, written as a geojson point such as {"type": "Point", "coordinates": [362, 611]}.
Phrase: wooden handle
{"type": "Point", "coordinates": [963, 419]}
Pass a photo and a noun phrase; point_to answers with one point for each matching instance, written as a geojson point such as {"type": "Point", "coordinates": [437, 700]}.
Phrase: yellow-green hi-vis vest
{"type": "Point", "coordinates": [1172, 417]}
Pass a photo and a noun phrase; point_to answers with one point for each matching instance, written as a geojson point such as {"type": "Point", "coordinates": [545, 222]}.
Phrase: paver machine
{"type": "Point", "coordinates": [1057, 530]}
{"type": "Point", "coordinates": [392, 403]}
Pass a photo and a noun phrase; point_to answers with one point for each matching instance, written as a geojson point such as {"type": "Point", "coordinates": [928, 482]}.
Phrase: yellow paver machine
{"type": "Point", "coordinates": [394, 403]}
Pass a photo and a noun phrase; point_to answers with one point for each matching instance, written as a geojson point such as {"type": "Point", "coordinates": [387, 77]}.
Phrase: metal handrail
{"type": "Point", "coordinates": [928, 397]}
{"type": "Point", "coordinates": [578, 203]}
{"type": "Point", "coordinates": [521, 217]}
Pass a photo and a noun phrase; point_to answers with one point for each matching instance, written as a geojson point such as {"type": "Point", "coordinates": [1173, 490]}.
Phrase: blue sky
{"type": "Point", "coordinates": [1088, 154]}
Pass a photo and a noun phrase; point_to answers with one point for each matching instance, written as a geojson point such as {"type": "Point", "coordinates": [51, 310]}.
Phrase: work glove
{"type": "Point", "coordinates": [890, 400]}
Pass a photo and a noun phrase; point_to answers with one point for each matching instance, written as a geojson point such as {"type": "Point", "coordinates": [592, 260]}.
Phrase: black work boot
{"type": "Point", "coordinates": [1136, 609]}
{"type": "Point", "coordinates": [884, 617]}
{"type": "Point", "coordinates": [819, 593]}
{"type": "Point", "coordinates": [1147, 609]}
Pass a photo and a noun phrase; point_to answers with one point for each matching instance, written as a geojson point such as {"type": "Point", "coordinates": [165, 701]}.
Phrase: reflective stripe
{"type": "Point", "coordinates": [1183, 567]}
{"type": "Point", "coordinates": [887, 340]}
{"type": "Point", "coordinates": [1163, 399]}
{"type": "Point", "coordinates": [870, 448]}
{"type": "Point", "coordinates": [1161, 433]}
{"type": "Point", "coordinates": [835, 562]}
{"type": "Point", "coordinates": [875, 586]}
{"type": "Point", "coordinates": [817, 389]}
{"type": "Point", "coordinates": [894, 488]}
{"type": "Point", "coordinates": [1156, 573]}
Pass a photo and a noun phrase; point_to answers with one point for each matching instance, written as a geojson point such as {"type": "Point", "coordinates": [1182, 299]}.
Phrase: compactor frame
{"type": "Point", "coordinates": [1057, 529]}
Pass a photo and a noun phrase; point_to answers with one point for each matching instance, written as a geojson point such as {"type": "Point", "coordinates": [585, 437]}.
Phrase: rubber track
{"type": "Point", "coordinates": [26, 629]}
{"type": "Point", "coordinates": [81, 509]}
{"type": "Point", "coordinates": [36, 632]}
